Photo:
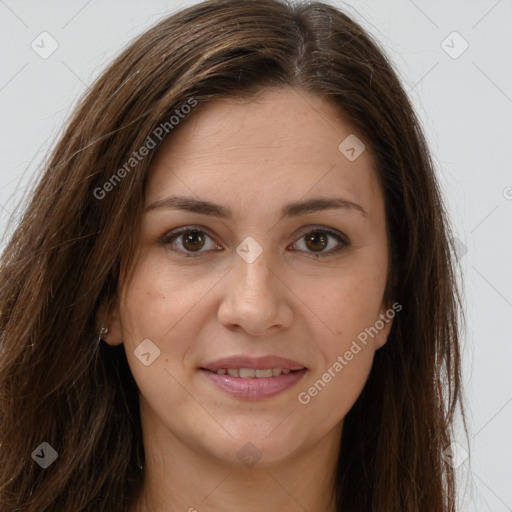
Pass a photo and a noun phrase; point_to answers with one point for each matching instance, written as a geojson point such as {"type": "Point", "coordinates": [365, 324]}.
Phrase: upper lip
{"type": "Point", "coordinates": [255, 363]}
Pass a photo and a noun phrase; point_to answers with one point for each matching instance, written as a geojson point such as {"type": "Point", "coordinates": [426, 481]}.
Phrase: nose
{"type": "Point", "coordinates": [256, 298]}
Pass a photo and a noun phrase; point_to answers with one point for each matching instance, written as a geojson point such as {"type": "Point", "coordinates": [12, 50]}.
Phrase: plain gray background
{"type": "Point", "coordinates": [462, 95]}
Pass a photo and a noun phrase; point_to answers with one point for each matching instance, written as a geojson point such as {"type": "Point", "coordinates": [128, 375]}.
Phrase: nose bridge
{"type": "Point", "coordinates": [252, 269]}
{"type": "Point", "coordinates": [253, 297]}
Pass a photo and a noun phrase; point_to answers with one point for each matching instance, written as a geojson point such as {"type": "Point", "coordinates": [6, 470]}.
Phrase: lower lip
{"type": "Point", "coordinates": [255, 388]}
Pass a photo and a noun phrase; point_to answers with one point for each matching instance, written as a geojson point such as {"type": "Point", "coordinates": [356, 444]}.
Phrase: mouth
{"type": "Point", "coordinates": [251, 373]}
{"type": "Point", "coordinates": [244, 362]}
{"type": "Point", "coordinates": [249, 378]}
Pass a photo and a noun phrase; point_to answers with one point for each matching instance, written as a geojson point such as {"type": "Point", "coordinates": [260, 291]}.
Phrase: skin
{"type": "Point", "coordinates": [253, 157]}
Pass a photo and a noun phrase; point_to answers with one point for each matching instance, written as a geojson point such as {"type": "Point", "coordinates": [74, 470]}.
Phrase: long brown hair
{"type": "Point", "coordinates": [60, 385]}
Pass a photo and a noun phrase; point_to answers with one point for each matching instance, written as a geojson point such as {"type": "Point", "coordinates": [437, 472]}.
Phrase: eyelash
{"type": "Point", "coordinates": [169, 238]}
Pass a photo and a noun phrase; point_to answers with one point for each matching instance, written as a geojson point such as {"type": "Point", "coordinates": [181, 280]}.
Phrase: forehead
{"type": "Point", "coordinates": [280, 146]}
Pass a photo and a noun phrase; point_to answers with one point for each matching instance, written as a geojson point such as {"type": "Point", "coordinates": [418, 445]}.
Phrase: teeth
{"type": "Point", "coordinates": [262, 373]}
{"type": "Point", "coordinates": [249, 373]}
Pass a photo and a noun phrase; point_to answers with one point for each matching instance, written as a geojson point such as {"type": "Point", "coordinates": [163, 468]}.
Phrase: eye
{"type": "Point", "coordinates": [190, 240]}
{"type": "Point", "coordinates": [317, 240]}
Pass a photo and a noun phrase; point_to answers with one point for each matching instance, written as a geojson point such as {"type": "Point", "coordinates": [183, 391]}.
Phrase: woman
{"type": "Point", "coordinates": [233, 285]}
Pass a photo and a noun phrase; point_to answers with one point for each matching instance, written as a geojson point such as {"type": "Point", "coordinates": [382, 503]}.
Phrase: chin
{"type": "Point", "coordinates": [252, 452]}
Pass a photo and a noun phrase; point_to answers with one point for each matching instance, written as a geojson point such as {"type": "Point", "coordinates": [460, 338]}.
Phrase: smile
{"type": "Point", "coordinates": [250, 373]}
{"type": "Point", "coordinates": [250, 384]}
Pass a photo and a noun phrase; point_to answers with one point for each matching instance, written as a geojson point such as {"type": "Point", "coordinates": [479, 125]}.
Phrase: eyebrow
{"type": "Point", "coordinates": [293, 209]}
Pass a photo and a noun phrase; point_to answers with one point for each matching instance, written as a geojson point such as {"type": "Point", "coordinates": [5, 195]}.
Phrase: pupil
{"type": "Point", "coordinates": [189, 240]}
{"type": "Point", "coordinates": [317, 238]}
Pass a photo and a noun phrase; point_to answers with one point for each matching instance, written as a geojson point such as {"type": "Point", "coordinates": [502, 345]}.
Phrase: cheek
{"type": "Point", "coordinates": [345, 304]}
{"type": "Point", "coordinates": [346, 350]}
{"type": "Point", "coordinates": [330, 394]}
{"type": "Point", "coordinates": [165, 305]}
{"type": "Point", "coordinates": [159, 298]}
{"type": "Point", "coordinates": [156, 307]}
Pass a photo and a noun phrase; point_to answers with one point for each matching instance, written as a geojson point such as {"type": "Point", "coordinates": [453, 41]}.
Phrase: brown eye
{"type": "Point", "coordinates": [317, 241]}
{"type": "Point", "coordinates": [192, 240]}
{"type": "Point", "coordinates": [188, 242]}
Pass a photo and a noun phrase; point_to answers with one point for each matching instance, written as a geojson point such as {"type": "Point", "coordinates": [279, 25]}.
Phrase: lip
{"type": "Point", "coordinates": [255, 363]}
{"type": "Point", "coordinates": [254, 388]}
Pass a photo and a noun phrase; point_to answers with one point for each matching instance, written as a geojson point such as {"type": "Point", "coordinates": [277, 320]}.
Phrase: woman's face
{"type": "Point", "coordinates": [263, 275]}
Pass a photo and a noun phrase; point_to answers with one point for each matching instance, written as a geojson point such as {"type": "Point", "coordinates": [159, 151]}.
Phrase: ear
{"type": "Point", "coordinates": [108, 316]}
{"type": "Point", "coordinates": [384, 323]}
